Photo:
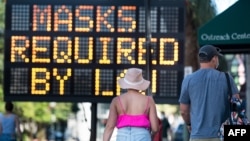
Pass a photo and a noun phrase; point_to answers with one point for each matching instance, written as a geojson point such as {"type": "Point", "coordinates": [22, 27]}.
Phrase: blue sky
{"type": "Point", "coordinates": [223, 4]}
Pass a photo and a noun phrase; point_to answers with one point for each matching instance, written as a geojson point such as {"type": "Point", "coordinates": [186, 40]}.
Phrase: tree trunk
{"type": "Point", "coordinates": [191, 43]}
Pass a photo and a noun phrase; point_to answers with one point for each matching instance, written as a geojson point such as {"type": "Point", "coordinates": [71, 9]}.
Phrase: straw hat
{"type": "Point", "coordinates": [133, 80]}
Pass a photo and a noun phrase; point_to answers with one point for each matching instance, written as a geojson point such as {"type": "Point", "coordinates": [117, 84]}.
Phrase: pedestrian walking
{"type": "Point", "coordinates": [9, 124]}
{"type": "Point", "coordinates": [165, 126]}
{"type": "Point", "coordinates": [132, 113]}
{"type": "Point", "coordinates": [204, 97]}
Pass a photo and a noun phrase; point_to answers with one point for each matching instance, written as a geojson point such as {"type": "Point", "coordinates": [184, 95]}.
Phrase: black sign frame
{"type": "Point", "coordinates": [30, 71]}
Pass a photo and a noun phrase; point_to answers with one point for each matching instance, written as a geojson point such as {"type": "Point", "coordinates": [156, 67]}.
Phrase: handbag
{"type": "Point", "coordinates": [237, 113]}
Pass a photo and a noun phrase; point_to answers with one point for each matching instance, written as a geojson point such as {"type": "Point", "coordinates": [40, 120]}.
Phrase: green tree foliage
{"type": "Point", "coordinates": [38, 112]}
{"type": "Point", "coordinates": [198, 12]}
{"type": "Point", "coordinates": [41, 111]}
{"type": "Point", "coordinates": [2, 11]}
{"type": "Point", "coordinates": [62, 110]}
{"type": "Point", "coordinates": [202, 11]}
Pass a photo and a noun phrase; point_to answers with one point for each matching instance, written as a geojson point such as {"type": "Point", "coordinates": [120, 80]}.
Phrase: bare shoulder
{"type": "Point", "coordinates": [114, 100]}
{"type": "Point", "coordinates": [151, 100]}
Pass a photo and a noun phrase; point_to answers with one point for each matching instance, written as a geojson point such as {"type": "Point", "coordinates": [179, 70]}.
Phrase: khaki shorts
{"type": "Point", "coordinates": [211, 139]}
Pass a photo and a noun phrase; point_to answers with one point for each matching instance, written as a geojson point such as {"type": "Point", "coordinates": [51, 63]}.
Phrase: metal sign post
{"type": "Point", "coordinates": [148, 44]}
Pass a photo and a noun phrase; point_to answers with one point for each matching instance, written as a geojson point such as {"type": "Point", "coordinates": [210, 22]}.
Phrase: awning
{"type": "Point", "coordinates": [229, 30]}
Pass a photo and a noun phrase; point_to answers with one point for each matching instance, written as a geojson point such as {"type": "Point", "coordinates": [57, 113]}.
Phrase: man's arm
{"type": "Point", "coordinates": [185, 113]}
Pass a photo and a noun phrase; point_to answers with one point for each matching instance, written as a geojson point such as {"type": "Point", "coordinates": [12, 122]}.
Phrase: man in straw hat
{"type": "Point", "coordinates": [133, 113]}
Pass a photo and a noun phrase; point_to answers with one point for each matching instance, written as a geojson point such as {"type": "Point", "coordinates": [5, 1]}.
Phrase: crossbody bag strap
{"type": "Point", "coordinates": [229, 85]}
{"type": "Point", "coordinates": [230, 96]}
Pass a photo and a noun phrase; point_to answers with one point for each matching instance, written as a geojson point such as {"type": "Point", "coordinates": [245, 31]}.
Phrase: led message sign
{"type": "Point", "coordinates": [77, 50]}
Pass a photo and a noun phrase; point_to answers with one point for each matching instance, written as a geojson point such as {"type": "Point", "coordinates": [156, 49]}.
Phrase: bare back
{"type": "Point", "coordinates": [133, 104]}
{"type": "Point", "coordinates": [137, 104]}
